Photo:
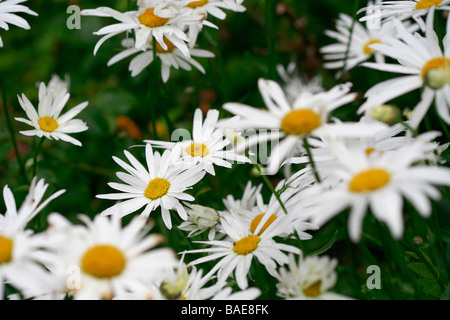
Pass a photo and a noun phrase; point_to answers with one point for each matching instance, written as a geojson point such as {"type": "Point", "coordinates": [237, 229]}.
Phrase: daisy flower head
{"type": "Point", "coordinates": [48, 121]}
{"type": "Point", "coordinates": [353, 49]}
{"type": "Point", "coordinates": [294, 83]}
{"type": "Point", "coordinates": [207, 147]}
{"type": "Point", "coordinates": [423, 64]}
{"type": "Point", "coordinates": [171, 57]}
{"type": "Point", "coordinates": [312, 277]}
{"type": "Point", "coordinates": [238, 249]}
{"type": "Point", "coordinates": [23, 253]}
{"type": "Point", "coordinates": [110, 258]}
{"type": "Point", "coordinates": [161, 184]}
{"type": "Point", "coordinates": [379, 182]}
{"type": "Point", "coordinates": [200, 219]}
{"type": "Point", "coordinates": [283, 122]}
{"type": "Point", "coordinates": [152, 19]}
{"type": "Point", "coordinates": [203, 8]}
{"type": "Point", "coordinates": [8, 14]}
{"type": "Point", "coordinates": [403, 10]}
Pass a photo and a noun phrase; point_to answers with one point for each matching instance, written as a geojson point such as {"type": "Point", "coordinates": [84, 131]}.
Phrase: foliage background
{"type": "Point", "coordinates": [247, 47]}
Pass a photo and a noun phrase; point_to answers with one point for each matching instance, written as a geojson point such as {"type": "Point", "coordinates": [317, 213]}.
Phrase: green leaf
{"type": "Point", "coordinates": [326, 247]}
{"type": "Point", "coordinates": [421, 269]}
{"type": "Point", "coordinates": [413, 254]}
{"type": "Point", "coordinates": [430, 287]}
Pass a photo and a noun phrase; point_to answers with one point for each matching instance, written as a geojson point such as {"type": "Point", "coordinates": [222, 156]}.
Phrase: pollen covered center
{"type": "Point", "coordinates": [169, 44]}
{"type": "Point", "coordinates": [436, 72]}
{"type": "Point", "coordinates": [48, 124]}
{"type": "Point", "coordinates": [103, 261]}
{"type": "Point", "coordinates": [195, 4]}
{"type": "Point", "coordinates": [157, 188]}
{"type": "Point", "coordinates": [197, 150]}
{"type": "Point", "coordinates": [151, 20]}
{"type": "Point", "coordinates": [369, 180]}
{"type": "Point", "coordinates": [426, 4]}
{"type": "Point", "coordinates": [313, 290]}
{"type": "Point", "coordinates": [367, 49]}
{"type": "Point", "coordinates": [246, 245]}
{"type": "Point", "coordinates": [257, 220]}
{"type": "Point", "coordinates": [6, 247]}
{"type": "Point", "coordinates": [301, 121]}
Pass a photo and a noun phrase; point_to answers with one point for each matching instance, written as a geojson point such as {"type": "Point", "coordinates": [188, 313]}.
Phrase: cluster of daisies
{"type": "Point", "coordinates": [327, 165]}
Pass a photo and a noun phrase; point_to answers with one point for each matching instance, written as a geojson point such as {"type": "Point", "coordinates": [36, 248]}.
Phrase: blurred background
{"type": "Point", "coordinates": [120, 114]}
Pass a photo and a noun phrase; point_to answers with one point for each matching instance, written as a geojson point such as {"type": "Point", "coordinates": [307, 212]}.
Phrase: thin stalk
{"type": "Point", "coordinates": [36, 156]}
{"type": "Point", "coordinates": [347, 50]}
{"type": "Point", "coordinates": [13, 137]}
{"type": "Point", "coordinates": [311, 160]}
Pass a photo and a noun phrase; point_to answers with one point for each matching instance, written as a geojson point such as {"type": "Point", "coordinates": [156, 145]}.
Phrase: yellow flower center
{"type": "Point", "coordinates": [151, 20]}
{"type": "Point", "coordinates": [246, 245]}
{"type": "Point", "coordinates": [369, 151]}
{"type": "Point", "coordinates": [195, 4]}
{"type": "Point", "coordinates": [257, 220]}
{"type": "Point", "coordinates": [426, 4]}
{"type": "Point", "coordinates": [48, 124]}
{"type": "Point", "coordinates": [157, 188]}
{"type": "Point", "coordinates": [369, 180]}
{"type": "Point", "coordinates": [313, 290]}
{"type": "Point", "coordinates": [160, 49]}
{"type": "Point", "coordinates": [197, 150]}
{"type": "Point", "coordinates": [367, 49]}
{"type": "Point", "coordinates": [6, 246]}
{"type": "Point", "coordinates": [301, 121]}
{"type": "Point", "coordinates": [436, 72]}
{"type": "Point", "coordinates": [103, 261]}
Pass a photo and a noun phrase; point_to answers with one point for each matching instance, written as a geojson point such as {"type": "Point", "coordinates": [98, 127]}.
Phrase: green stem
{"type": "Point", "coordinates": [36, 156]}
{"type": "Point", "coordinates": [347, 50]}
{"type": "Point", "coordinates": [311, 160]}
{"type": "Point", "coordinates": [13, 136]}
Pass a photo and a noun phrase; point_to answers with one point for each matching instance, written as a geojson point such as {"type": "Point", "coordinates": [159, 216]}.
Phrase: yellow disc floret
{"type": "Point", "coordinates": [426, 4]}
{"type": "Point", "coordinates": [436, 72]}
{"type": "Point", "coordinates": [6, 246]}
{"type": "Point", "coordinates": [301, 121]}
{"type": "Point", "coordinates": [367, 49]}
{"type": "Point", "coordinates": [256, 221]}
{"type": "Point", "coordinates": [157, 188]}
{"type": "Point", "coordinates": [246, 245]}
{"type": "Point", "coordinates": [313, 290]}
{"type": "Point", "coordinates": [48, 124]}
{"type": "Point", "coordinates": [197, 150]}
{"type": "Point", "coordinates": [169, 44]}
{"type": "Point", "coordinates": [103, 261]}
{"type": "Point", "coordinates": [195, 4]}
{"type": "Point", "coordinates": [151, 20]}
{"type": "Point", "coordinates": [369, 180]}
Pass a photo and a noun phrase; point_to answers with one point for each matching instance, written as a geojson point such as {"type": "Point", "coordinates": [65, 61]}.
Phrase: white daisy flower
{"type": "Point", "coordinates": [162, 184]}
{"type": "Point", "coordinates": [23, 253]}
{"type": "Point", "coordinates": [247, 201]}
{"type": "Point", "coordinates": [47, 120]}
{"type": "Point", "coordinates": [403, 10]}
{"type": "Point", "coordinates": [207, 147]}
{"type": "Point", "coordinates": [8, 10]}
{"type": "Point", "coordinates": [379, 182]}
{"type": "Point", "coordinates": [200, 219]}
{"type": "Point", "coordinates": [110, 258]}
{"type": "Point", "coordinates": [170, 58]}
{"type": "Point", "coordinates": [203, 8]}
{"type": "Point", "coordinates": [424, 65]}
{"type": "Point", "coordinates": [351, 50]}
{"type": "Point", "coordinates": [294, 83]}
{"type": "Point", "coordinates": [312, 278]}
{"type": "Point", "coordinates": [285, 122]}
{"type": "Point", "coordinates": [237, 251]}
{"type": "Point", "coordinates": [153, 19]}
